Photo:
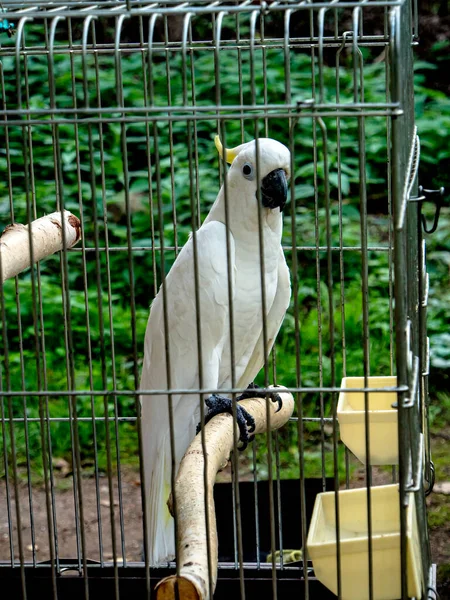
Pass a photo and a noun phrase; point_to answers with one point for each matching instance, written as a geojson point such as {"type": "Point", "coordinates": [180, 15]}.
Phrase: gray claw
{"type": "Point", "coordinates": [253, 391]}
{"type": "Point", "coordinates": [220, 404]}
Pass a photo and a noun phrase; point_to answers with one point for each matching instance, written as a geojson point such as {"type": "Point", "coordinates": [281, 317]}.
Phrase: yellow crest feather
{"type": "Point", "coordinates": [230, 153]}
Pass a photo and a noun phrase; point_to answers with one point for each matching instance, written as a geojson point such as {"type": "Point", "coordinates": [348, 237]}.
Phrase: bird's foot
{"type": "Point", "coordinates": [221, 404]}
{"type": "Point", "coordinates": [254, 391]}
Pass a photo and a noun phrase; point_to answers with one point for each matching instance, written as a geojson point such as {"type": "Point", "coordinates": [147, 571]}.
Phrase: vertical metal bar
{"type": "Point", "coordinates": [341, 240]}
{"type": "Point", "coordinates": [20, 334]}
{"type": "Point", "coordinates": [390, 209]}
{"type": "Point", "coordinates": [256, 504]}
{"type": "Point", "coordinates": [424, 352]}
{"type": "Point", "coordinates": [253, 19]}
{"type": "Point", "coordinates": [5, 342]}
{"type": "Point", "coordinates": [295, 285]}
{"type": "Point", "coordinates": [41, 364]}
{"type": "Point", "coordinates": [26, 134]}
{"type": "Point", "coordinates": [279, 499]}
{"type": "Point", "coordinates": [235, 464]}
{"type": "Point", "coordinates": [108, 288]}
{"type": "Point", "coordinates": [264, 74]}
{"type": "Point", "coordinates": [195, 126]}
{"type": "Point", "coordinates": [86, 25]}
{"type": "Point", "coordinates": [327, 203]}
{"type": "Point", "coordinates": [41, 360]}
{"type": "Point", "coordinates": [19, 325]}
{"type": "Point", "coordinates": [234, 508]}
{"type": "Point", "coordinates": [400, 276]}
{"type": "Point", "coordinates": [273, 353]}
{"type": "Point", "coordinates": [340, 212]}
{"type": "Point", "coordinates": [415, 27]}
{"type": "Point", "coordinates": [359, 96]}
{"type": "Point", "coordinates": [241, 88]}
{"type": "Point", "coordinates": [317, 256]}
{"type": "Point", "coordinates": [171, 151]}
{"type": "Point", "coordinates": [254, 443]}
{"type": "Point", "coordinates": [334, 398]}
{"type": "Point", "coordinates": [194, 222]}
{"type": "Point", "coordinates": [148, 99]}
{"type": "Point", "coordinates": [64, 289]}
{"type": "Point", "coordinates": [12, 441]}
{"type": "Point", "coordinates": [78, 491]}
{"type": "Point", "coordinates": [6, 463]}
{"type": "Point", "coordinates": [320, 27]}
{"type": "Point", "coordinates": [387, 63]}
{"type": "Point", "coordinates": [336, 24]}
{"type": "Point", "coordinates": [126, 181]}
{"type": "Point", "coordinates": [166, 330]}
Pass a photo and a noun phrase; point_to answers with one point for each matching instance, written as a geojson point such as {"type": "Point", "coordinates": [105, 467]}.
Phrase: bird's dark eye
{"type": "Point", "coordinates": [247, 171]}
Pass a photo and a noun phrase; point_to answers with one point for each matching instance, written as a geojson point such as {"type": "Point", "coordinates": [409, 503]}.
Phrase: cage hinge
{"type": "Point", "coordinates": [434, 196]}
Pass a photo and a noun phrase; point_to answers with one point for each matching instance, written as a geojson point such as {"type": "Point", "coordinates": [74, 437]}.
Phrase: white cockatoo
{"type": "Point", "coordinates": [242, 226]}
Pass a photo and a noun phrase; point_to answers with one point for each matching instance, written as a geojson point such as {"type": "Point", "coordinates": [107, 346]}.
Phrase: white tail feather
{"type": "Point", "coordinates": [158, 469]}
{"type": "Point", "coordinates": [161, 533]}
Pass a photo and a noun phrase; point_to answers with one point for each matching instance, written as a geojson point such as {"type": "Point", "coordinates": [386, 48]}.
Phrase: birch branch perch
{"type": "Point", "coordinates": [46, 236]}
{"type": "Point", "coordinates": [193, 581]}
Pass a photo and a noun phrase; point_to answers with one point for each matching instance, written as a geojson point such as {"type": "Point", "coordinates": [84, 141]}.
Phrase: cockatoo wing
{"type": "Point", "coordinates": [273, 323]}
{"type": "Point", "coordinates": [181, 311]}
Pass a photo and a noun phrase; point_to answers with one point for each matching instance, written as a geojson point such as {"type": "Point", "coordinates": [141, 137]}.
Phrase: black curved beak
{"type": "Point", "coordinates": [274, 189]}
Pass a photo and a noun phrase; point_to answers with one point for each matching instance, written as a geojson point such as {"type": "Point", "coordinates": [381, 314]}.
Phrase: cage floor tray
{"type": "Point", "coordinates": [354, 538]}
{"type": "Point", "coordinates": [383, 433]}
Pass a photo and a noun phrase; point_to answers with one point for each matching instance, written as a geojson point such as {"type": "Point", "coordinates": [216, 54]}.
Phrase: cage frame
{"type": "Point", "coordinates": [408, 249]}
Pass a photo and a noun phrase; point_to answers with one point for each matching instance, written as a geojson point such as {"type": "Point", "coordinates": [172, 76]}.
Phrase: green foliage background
{"type": "Point", "coordinates": [98, 181]}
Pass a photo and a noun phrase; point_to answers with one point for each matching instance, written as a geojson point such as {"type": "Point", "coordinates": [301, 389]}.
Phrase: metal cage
{"type": "Point", "coordinates": [108, 110]}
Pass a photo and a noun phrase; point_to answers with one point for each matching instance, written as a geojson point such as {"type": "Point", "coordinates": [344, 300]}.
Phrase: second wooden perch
{"type": "Point", "coordinates": [193, 580]}
{"type": "Point", "coordinates": [46, 238]}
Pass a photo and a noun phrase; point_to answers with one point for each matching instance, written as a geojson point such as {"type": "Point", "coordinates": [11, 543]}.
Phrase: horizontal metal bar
{"type": "Point", "coordinates": [200, 46]}
{"type": "Point", "coordinates": [292, 390]}
{"type": "Point", "coordinates": [36, 12]}
{"type": "Point", "coordinates": [70, 564]}
{"type": "Point", "coordinates": [313, 419]}
{"type": "Point", "coordinates": [70, 419]}
{"type": "Point", "coordinates": [196, 108]}
{"type": "Point", "coordinates": [303, 114]}
{"type": "Point", "coordinates": [127, 419]}
{"type": "Point", "coordinates": [285, 248]}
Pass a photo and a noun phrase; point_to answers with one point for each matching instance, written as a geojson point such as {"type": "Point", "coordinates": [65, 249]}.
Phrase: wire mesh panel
{"type": "Point", "coordinates": [109, 111]}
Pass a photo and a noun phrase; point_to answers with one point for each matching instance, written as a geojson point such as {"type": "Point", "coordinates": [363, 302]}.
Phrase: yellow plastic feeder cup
{"type": "Point", "coordinates": [354, 544]}
{"type": "Point", "coordinates": [383, 431]}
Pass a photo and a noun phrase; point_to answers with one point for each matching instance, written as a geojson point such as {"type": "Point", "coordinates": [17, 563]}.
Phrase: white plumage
{"type": "Point", "coordinates": [244, 250]}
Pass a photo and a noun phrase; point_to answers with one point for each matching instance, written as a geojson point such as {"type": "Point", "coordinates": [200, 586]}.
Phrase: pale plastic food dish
{"type": "Point", "coordinates": [354, 544]}
{"type": "Point", "coordinates": [383, 432]}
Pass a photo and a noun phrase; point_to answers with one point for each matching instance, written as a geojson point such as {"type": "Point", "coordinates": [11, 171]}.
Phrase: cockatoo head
{"type": "Point", "coordinates": [273, 170]}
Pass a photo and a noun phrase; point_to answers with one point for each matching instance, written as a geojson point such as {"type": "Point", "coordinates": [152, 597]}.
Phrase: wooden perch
{"type": "Point", "coordinates": [193, 581]}
{"type": "Point", "coordinates": [47, 238]}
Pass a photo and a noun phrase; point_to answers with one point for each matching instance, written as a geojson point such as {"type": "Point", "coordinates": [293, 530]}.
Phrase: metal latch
{"type": "Point", "coordinates": [434, 196]}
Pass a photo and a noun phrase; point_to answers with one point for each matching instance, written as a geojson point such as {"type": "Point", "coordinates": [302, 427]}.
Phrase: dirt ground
{"type": "Point", "coordinates": [97, 531]}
